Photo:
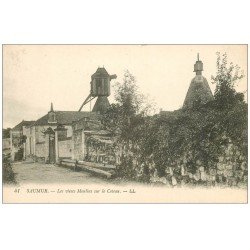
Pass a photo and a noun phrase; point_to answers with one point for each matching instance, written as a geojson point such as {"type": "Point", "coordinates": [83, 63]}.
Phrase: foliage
{"type": "Point", "coordinates": [127, 96]}
{"type": "Point", "coordinates": [8, 174]}
{"type": "Point", "coordinates": [6, 133]}
{"type": "Point", "coordinates": [186, 137]}
{"type": "Point", "coordinates": [129, 105]}
{"type": "Point", "coordinates": [199, 135]}
{"type": "Point", "coordinates": [227, 77]}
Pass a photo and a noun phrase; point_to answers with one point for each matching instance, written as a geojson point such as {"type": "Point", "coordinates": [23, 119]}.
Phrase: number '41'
{"type": "Point", "coordinates": [17, 190]}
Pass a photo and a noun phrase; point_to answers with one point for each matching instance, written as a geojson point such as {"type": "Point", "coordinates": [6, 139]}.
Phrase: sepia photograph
{"type": "Point", "coordinates": [125, 123]}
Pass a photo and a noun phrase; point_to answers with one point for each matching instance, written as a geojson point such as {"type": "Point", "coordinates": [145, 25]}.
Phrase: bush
{"type": "Point", "coordinates": [8, 174]}
{"type": "Point", "coordinates": [184, 146]}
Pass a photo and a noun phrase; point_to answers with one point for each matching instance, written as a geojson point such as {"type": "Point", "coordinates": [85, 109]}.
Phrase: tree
{"type": "Point", "coordinates": [129, 109]}
{"type": "Point", "coordinates": [226, 79]}
{"type": "Point", "coordinates": [127, 96]}
{"type": "Point", "coordinates": [6, 133]}
{"type": "Point", "coordinates": [231, 118]}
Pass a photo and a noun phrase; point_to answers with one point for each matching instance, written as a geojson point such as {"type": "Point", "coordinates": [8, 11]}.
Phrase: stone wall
{"type": "Point", "coordinates": [41, 149]}
{"type": "Point", "coordinates": [226, 172]}
{"type": "Point", "coordinates": [100, 150]}
{"type": "Point", "coordinates": [6, 143]}
{"type": "Point", "coordinates": [78, 142]}
{"type": "Point", "coordinates": [69, 131]}
{"type": "Point", "coordinates": [230, 169]}
{"type": "Point", "coordinates": [65, 149]}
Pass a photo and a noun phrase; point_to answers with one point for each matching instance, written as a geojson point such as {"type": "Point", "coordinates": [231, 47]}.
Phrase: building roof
{"type": "Point", "coordinates": [20, 125]}
{"type": "Point", "coordinates": [199, 91]}
{"type": "Point", "coordinates": [64, 117]}
{"type": "Point", "coordinates": [101, 72]}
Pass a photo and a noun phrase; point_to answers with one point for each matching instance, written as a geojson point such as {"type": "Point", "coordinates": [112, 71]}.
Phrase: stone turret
{"type": "Point", "coordinates": [199, 91]}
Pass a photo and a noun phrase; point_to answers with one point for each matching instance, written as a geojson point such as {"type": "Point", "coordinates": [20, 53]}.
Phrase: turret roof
{"type": "Point", "coordinates": [199, 90]}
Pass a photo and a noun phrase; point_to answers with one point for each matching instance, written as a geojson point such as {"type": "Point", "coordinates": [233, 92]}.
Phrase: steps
{"type": "Point", "coordinates": [107, 171]}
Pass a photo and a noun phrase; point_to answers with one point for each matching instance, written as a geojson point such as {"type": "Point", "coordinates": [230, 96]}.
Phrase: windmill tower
{"type": "Point", "coordinates": [100, 88]}
{"type": "Point", "coordinates": [199, 90]}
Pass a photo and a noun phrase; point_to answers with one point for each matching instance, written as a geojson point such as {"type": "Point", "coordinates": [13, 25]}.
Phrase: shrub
{"type": "Point", "coordinates": [8, 174]}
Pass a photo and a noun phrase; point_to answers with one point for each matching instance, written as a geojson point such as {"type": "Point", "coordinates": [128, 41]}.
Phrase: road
{"type": "Point", "coordinates": [39, 173]}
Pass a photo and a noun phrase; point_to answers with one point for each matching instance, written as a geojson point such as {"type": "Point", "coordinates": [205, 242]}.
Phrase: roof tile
{"type": "Point", "coordinates": [64, 117]}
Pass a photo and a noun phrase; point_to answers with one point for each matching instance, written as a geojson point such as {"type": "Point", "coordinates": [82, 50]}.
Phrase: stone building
{"type": "Point", "coordinates": [17, 138]}
{"type": "Point", "coordinates": [51, 135]}
{"type": "Point", "coordinates": [199, 91]}
{"type": "Point", "coordinates": [67, 135]}
{"type": "Point", "coordinates": [6, 143]}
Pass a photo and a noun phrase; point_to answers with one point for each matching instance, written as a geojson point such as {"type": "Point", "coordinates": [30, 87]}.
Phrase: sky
{"type": "Point", "coordinates": [36, 75]}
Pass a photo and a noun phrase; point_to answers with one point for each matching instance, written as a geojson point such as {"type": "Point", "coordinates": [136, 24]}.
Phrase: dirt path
{"type": "Point", "coordinates": [40, 173]}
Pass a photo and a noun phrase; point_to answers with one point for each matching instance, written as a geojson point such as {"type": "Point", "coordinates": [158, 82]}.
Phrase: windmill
{"type": "Point", "coordinates": [100, 88]}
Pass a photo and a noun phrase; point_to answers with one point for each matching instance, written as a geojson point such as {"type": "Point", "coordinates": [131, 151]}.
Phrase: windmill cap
{"type": "Point", "coordinates": [101, 72]}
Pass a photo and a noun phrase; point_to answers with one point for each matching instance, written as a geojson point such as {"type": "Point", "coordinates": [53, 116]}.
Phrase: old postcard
{"type": "Point", "coordinates": [125, 124]}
